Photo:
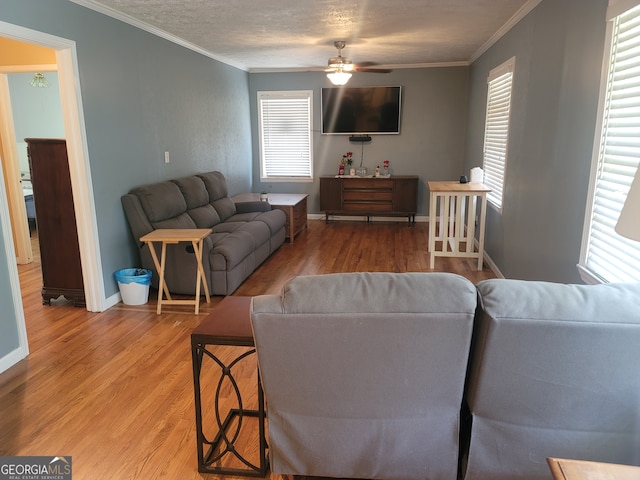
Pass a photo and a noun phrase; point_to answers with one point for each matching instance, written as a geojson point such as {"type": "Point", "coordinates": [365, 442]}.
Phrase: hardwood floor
{"type": "Point", "coordinates": [114, 390]}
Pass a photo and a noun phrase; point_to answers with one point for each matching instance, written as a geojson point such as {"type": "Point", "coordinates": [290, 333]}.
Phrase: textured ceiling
{"type": "Point", "coordinates": [259, 35]}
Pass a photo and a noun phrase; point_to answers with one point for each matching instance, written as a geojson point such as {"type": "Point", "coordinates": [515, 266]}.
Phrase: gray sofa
{"type": "Point", "coordinates": [425, 375]}
{"type": "Point", "coordinates": [243, 234]}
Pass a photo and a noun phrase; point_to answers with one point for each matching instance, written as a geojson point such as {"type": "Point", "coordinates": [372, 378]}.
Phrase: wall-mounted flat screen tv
{"type": "Point", "coordinates": [361, 110]}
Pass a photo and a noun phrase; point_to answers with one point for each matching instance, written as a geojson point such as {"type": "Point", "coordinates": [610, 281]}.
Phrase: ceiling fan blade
{"type": "Point", "coordinates": [373, 70]}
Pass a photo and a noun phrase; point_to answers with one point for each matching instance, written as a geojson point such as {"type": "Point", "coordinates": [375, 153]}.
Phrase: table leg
{"type": "Point", "coordinates": [432, 229]}
{"type": "Point", "coordinates": [161, 285]}
{"type": "Point", "coordinates": [160, 270]}
{"type": "Point", "coordinates": [221, 448]}
{"type": "Point", "coordinates": [481, 232]}
{"type": "Point", "coordinates": [197, 250]}
{"type": "Point", "coordinates": [291, 225]}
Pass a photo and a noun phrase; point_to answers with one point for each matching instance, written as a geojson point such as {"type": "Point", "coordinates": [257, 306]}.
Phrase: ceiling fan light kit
{"type": "Point", "coordinates": [339, 77]}
{"type": "Point", "coordinates": [339, 67]}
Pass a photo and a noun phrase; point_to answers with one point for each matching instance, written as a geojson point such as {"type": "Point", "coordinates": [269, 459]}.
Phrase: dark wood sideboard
{"type": "Point", "coordinates": [56, 220]}
{"type": "Point", "coordinates": [395, 196]}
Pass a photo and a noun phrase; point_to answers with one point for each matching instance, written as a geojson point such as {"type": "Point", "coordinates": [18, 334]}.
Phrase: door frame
{"type": "Point", "coordinates": [73, 119]}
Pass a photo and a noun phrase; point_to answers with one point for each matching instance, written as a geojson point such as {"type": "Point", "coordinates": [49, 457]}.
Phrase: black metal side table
{"type": "Point", "coordinates": [228, 323]}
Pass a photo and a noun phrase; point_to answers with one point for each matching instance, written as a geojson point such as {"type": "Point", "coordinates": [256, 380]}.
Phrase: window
{"type": "Point", "coordinates": [605, 255]}
{"type": "Point", "coordinates": [285, 128]}
{"type": "Point", "coordinates": [496, 133]}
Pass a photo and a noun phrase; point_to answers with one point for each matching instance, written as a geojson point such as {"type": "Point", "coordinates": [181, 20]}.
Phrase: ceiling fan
{"type": "Point", "coordinates": [339, 68]}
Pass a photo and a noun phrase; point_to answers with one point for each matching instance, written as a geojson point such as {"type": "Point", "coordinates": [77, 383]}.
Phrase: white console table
{"type": "Point", "coordinates": [453, 208]}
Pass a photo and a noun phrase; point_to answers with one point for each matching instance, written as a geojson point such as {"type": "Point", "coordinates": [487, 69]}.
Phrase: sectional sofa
{"type": "Point", "coordinates": [243, 234]}
{"type": "Point", "coordinates": [427, 376]}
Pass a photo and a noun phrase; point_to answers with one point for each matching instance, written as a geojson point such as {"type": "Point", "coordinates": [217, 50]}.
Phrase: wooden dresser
{"type": "Point", "coordinates": [395, 196]}
{"type": "Point", "coordinates": [55, 220]}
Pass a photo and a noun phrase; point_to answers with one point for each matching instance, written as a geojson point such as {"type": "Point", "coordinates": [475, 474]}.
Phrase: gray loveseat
{"type": "Point", "coordinates": [427, 376]}
{"type": "Point", "coordinates": [243, 234]}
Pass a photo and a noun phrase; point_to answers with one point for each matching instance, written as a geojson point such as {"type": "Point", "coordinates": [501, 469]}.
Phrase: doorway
{"type": "Point", "coordinates": [66, 64]}
{"type": "Point", "coordinates": [36, 113]}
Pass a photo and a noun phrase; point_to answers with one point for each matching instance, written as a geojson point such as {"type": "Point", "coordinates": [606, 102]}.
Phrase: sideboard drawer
{"type": "Point", "coordinates": [368, 183]}
{"type": "Point", "coordinates": [371, 207]}
{"type": "Point", "coordinates": [368, 195]}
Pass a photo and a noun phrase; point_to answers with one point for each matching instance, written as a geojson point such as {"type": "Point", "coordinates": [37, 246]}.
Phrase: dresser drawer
{"type": "Point", "coordinates": [300, 214]}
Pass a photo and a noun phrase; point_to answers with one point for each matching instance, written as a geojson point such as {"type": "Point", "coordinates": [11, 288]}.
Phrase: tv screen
{"type": "Point", "coordinates": [361, 110]}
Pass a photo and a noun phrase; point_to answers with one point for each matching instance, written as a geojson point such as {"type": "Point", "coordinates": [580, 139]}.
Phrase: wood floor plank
{"type": "Point", "coordinates": [114, 390]}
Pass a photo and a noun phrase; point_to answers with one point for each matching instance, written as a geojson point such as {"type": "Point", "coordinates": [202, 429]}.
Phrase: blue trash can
{"type": "Point", "coordinates": [134, 285]}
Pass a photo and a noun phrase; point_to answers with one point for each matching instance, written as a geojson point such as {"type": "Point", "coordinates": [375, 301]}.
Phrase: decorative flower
{"type": "Point", "coordinates": [347, 159]}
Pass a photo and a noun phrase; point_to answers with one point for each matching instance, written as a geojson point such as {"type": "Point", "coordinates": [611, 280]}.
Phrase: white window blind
{"type": "Point", "coordinates": [285, 127]}
{"type": "Point", "coordinates": [607, 256]}
{"type": "Point", "coordinates": [496, 132]}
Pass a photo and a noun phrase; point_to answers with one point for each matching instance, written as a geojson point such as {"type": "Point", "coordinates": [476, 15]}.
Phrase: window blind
{"type": "Point", "coordinates": [609, 256]}
{"type": "Point", "coordinates": [497, 130]}
{"type": "Point", "coordinates": [285, 134]}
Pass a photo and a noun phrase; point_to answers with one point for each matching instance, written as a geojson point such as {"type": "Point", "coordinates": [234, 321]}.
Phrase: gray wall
{"type": "Point", "coordinates": [142, 96]}
{"type": "Point", "coordinates": [558, 49]}
{"type": "Point", "coordinates": [432, 129]}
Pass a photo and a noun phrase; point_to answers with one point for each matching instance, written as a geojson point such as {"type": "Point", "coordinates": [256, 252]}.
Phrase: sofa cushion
{"type": "Point", "coordinates": [244, 217]}
{"type": "Point", "coordinates": [181, 221]}
{"type": "Point", "coordinates": [161, 201]}
{"type": "Point", "coordinates": [225, 207]}
{"type": "Point", "coordinates": [193, 190]}
{"type": "Point", "coordinates": [197, 198]}
{"type": "Point", "coordinates": [274, 219]}
{"type": "Point", "coordinates": [230, 250]}
{"type": "Point", "coordinates": [204, 217]}
{"type": "Point", "coordinates": [216, 185]}
{"type": "Point", "coordinates": [259, 231]}
{"type": "Point", "coordinates": [227, 227]}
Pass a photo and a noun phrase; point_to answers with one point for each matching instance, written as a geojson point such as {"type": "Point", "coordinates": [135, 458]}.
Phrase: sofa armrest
{"type": "Point", "coordinates": [136, 217]}
{"type": "Point", "coordinates": [253, 206]}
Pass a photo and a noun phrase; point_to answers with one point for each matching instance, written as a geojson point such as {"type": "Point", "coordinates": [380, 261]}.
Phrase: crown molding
{"type": "Point", "coordinates": [519, 15]}
{"type": "Point", "coordinates": [110, 12]}
{"type": "Point", "coordinates": [390, 66]}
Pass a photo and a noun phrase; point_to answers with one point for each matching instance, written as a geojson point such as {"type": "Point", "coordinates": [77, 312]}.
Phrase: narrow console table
{"type": "Point", "coordinates": [294, 206]}
{"type": "Point", "coordinates": [395, 196]}
{"type": "Point", "coordinates": [166, 236]}
{"type": "Point", "coordinates": [453, 207]}
{"type": "Point", "coordinates": [229, 323]}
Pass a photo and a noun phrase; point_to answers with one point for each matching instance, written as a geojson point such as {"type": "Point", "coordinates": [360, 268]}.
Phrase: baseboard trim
{"type": "Point", "coordinates": [13, 357]}
{"type": "Point", "coordinates": [363, 218]}
{"type": "Point", "coordinates": [113, 300]}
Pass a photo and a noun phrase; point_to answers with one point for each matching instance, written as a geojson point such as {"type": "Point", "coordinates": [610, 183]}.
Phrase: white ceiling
{"type": "Point", "coordinates": [260, 35]}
